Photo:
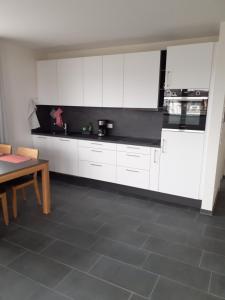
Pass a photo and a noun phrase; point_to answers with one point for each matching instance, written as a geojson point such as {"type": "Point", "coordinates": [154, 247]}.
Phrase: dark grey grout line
{"type": "Point", "coordinates": [210, 281]}
{"type": "Point", "coordinates": [94, 264]}
{"type": "Point", "coordinates": [154, 287]}
{"type": "Point", "coordinates": [130, 297]}
{"type": "Point", "coordinates": [49, 244]}
{"type": "Point", "coordinates": [201, 257]}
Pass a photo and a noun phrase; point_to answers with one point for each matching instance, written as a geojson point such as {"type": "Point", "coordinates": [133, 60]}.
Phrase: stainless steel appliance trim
{"type": "Point", "coordinates": [184, 130]}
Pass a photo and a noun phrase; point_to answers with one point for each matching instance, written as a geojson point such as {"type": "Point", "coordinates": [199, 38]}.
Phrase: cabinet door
{"type": "Point", "coordinates": [45, 147]}
{"type": "Point", "coordinates": [141, 79]}
{"type": "Point", "coordinates": [132, 177]}
{"type": "Point", "coordinates": [47, 82]}
{"type": "Point", "coordinates": [113, 80]}
{"type": "Point", "coordinates": [98, 171]}
{"type": "Point", "coordinates": [70, 81]}
{"type": "Point", "coordinates": [93, 81]}
{"type": "Point", "coordinates": [189, 66]}
{"type": "Point", "coordinates": [65, 156]}
{"type": "Point", "coordinates": [154, 169]}
{"type": "Point", "coordinates": [181, 163]}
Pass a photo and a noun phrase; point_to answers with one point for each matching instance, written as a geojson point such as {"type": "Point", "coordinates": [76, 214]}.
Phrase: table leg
{"type": "Point", "coordinates": [46, 190]}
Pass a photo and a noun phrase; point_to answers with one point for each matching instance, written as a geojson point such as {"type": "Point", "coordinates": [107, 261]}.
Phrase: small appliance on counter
{"type": "Point", "coordinates": [102, 127]}
{"type": "Point", "coordinates": [185, 109]}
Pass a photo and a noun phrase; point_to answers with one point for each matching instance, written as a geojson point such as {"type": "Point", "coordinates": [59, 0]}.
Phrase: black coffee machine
{"type": "Point", "coordinates": [102, 127]}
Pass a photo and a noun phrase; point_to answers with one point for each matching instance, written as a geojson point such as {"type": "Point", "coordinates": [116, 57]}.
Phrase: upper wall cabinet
{"type": "Point", "coordinates": [189, 66]}
{"type": "Point", "coordinates": [47, 82]}
{"type": "Point", "coordinates": [93, 81]}
{"type": "Point", "coordinates": [113, 80]}
{"type": "Point", "coordinates": [141, 79]}
{"type": "Point", "coordinates": [70, 81]}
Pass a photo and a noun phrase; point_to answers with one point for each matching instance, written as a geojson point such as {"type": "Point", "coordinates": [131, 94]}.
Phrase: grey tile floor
{"type": "Point", "coordinates": [101, 245]}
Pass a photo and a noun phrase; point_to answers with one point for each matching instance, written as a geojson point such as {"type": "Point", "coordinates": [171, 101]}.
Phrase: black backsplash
{"type": "Point", "coordinates": [136, 123]}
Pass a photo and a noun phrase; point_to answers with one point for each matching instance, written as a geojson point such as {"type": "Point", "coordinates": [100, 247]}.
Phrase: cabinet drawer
{"type": "Point", "coordinates": [98, 155]}
{"type": "Point", "coordinates": [133, 177]}
{"type": "Point", "coordinates": [97, 171]}
{"type": "Point", "coordinates": [97, 145]}
{"type": "Point", "coordinates": [133, 160]}
{"type": "Point", "coordinates": [133, 148]}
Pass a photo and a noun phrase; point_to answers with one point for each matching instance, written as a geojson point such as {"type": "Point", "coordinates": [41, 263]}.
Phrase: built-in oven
{"type": "Point", "coordinates": [185, 109]}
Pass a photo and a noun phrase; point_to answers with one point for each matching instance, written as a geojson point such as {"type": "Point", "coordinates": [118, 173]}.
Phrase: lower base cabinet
{"type": "Point", "coordinates": [133, 177]}
{"type": "Point", "coordinates": [96, 170]}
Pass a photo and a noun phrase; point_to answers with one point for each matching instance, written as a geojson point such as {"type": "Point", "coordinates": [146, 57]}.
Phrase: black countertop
{"type": "Point", "coordinates": [108, 139]}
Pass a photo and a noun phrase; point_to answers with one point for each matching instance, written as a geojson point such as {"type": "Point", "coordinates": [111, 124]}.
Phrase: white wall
{"type": "Point", "coordinates": [18, 72]}
{"type": "Point", "coordinates": [215, 141]}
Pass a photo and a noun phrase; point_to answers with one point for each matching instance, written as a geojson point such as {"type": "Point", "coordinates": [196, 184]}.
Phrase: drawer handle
{"type": "Point", "coordinates": [132, 147]}
{"type": "Point", "coordinates": [41, 137]}
{"type": "Point", "coordinates": [63, 140]}
{"type": "Point", "coordinates": [134, 171]}
{"type": "Point", "coordinates": [96, 150]}
{"type": "Point", "coordinates": [98, 144]}
{"type": "Point", "coordinates": [155, 157]}
{"type": "Point", "coordinates": [96, 165]}
{"type": "Point", "coordinates": [133, 155]}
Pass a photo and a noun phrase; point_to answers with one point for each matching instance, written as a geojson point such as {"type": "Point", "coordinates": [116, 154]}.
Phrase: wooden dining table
{"type": "Point", "coordinates": [10, 171]}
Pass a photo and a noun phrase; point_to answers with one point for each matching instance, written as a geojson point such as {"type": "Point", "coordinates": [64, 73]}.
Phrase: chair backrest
{"type": "Point", "coordinates": [29, 152]}
{"type": "Point", "coordinates": [6, 149]}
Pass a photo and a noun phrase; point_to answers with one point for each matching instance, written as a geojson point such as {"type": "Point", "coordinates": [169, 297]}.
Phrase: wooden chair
{"type": "Point", "coordinates": [3, 199]}
{"type": "Point", "coordinates": [6, 149]}
{"type": "Point", "coordinates": [25, 181]}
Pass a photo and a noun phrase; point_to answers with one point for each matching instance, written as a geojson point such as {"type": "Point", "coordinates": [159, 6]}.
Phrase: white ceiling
{"type": "Point", "coordinates": [82, 23]}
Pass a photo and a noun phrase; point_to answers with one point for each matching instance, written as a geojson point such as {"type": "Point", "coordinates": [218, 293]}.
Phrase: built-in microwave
{"type": "Point", "coordinates": [185, 109]}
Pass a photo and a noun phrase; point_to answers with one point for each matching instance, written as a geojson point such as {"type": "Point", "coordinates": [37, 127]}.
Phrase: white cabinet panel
{"type": "Point", "coordinates": [189, 66]}
{"type": "Point", "coordinates": [45, 147]}
{"type": "Point", "coordinates": [113, 80]}
{"type": "Point", "coordinates": [97, 145]}
{"type": "Point", "coordinates": [97, 171]}
{"type": "Point", "coordinates": [93, 81]}
{"type": "Point", "coordinates": [133, 160]}
{"type": "Point", "coordinates": [181, 163]}
{"type": "Point", "coordinates": [141, 79]}
{"type": "Point", "coordinates": [133, 177]}
{"type": "Point", "coordinates": [154, 169]}
{"type": "Point", "coordinates": [133, 149]}
{"type": "Point", "coordinates": [97, 155]}
{"type": "Point", "coordinates": [47, 82]}
{"type": "Point", "coordinates": [70, 81]}
{"type": "Point", "coordinates": [65, 155]}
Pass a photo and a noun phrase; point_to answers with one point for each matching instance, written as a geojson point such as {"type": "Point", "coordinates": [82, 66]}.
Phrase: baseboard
{"type": "Point", "coordinates": [206, 212]}
{"type": "Point", "coordinates": [123, 189]}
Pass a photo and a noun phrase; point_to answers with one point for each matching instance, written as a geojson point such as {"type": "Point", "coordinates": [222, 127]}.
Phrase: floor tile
{"type": "Point", "coordinates": [14, 286]}
{"type": "Point", "coordinates": [213, 262]}
{"type": "Point", "coordinates": [183, 223]}
{"type": "Point", "coordinates": [120, 251]}
{"type": "Point", "coordinates": [170, 290]}
{"type": "Point", "coordinates": [71, 255]}
{"type": "Point", "coordinates": [80, 286]}
{"type": "Point", "coordinates": [175, 270]}
{"type": "Point", "coordinates": [178, 251]}
{"type": "Point", "coordinates": [28, 239]}
{"type": "Point", "coordinates": [124, 235]}
{"type": "Point", "coordinates": [46, 294]}
{"type": "Point", "coordinates": [163, 232]}
{"type": "Point", "coordinates": [8, 252]}
{"type": "Point", "coordinates": [215, 232]}
{"type": "Point", "coordinates": [40, 268]}
{"type": "Point", "coordinates": [218, 285]}
{"type": "Point", "coordinates": [126, 276]}
{"type": "Point", "coordinates": [136, 297]}
{"type": "Point", "coordinates": [218, 221]}
{"type": "Point", "coordinates": [121, 221]}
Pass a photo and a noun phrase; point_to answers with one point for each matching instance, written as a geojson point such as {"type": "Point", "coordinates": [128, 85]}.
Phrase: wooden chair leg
{"type": "Point", "coordinates": [37, 192]}
{"type": "Point", "coordinates": [14, 203]}
{"type": "Point", "coordinates": [5, 210]}
{"type": "Point", "coordinates": [23, 194]}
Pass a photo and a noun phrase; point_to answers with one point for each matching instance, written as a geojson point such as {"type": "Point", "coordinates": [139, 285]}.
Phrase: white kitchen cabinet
{"type": "Point", "coordinates": [181, 163]}
{"type": "Point", "coordinates": [133, 177]}
{"type": "Point", "coordinates": [154, 169]}
{"type": "Point", "coordinates": [141, 79]}
{"type": "Point", "coordinates": [98, 171]}
{"type": "Point", "coordinates": [47, 82]}
{"type": "Point", "coordinates": [44, 144]}
{"type": "Point", "coordinates": [133, 160]}
{"type": "Point", "coordinates": [189, 66]}
{"type": "Point", "coordinates": [65, 155]}
{"type": "Point", "coordinates": [93, 81]}
{"type": "Point", "coordinates": [70, 81]}
{"type": "Point", "coordinates": [113, 80]}
{"type": "Point", "coordinates": [98, 155]}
